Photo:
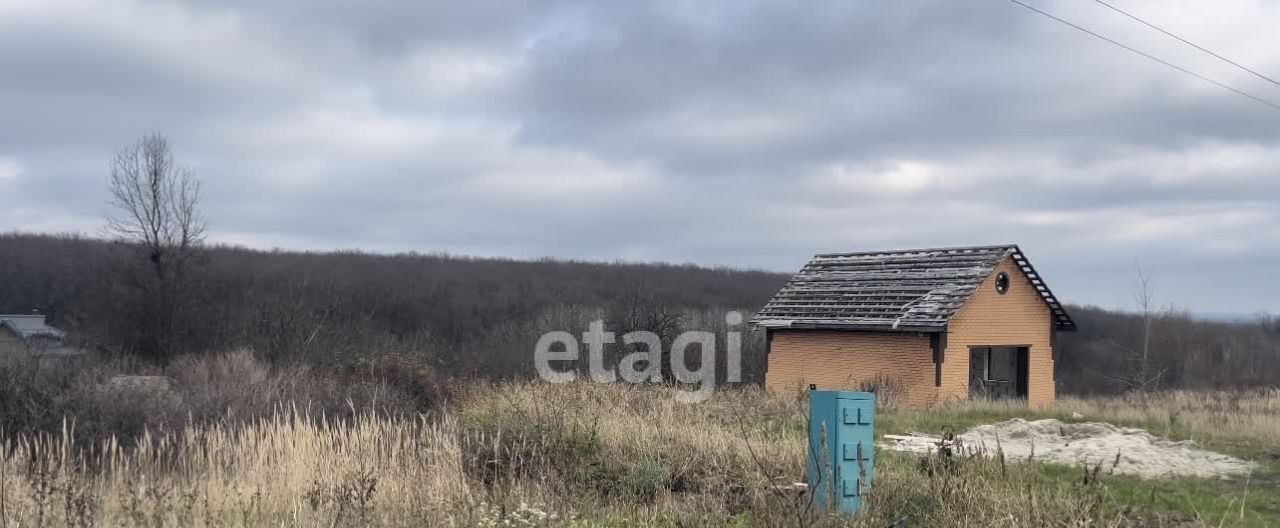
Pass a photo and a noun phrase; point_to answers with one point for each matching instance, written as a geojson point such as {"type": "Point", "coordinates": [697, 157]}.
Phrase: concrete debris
{"type": "Point", "coordinates": [141, 384]}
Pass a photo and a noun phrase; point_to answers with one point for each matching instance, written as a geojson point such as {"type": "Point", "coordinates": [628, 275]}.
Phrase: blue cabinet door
{"type": "Point", "coordinates": [855, 437]}
{"type": "Point", "coordinates": [841, 435]}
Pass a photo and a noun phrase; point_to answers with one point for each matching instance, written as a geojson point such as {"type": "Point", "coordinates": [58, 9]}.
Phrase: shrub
{"type": "Point", "coordinates": [501, 447]}
{"type": "Point", "coordinates": [642, 481]}
{"type": "Point", "coordinates": [888, 390]}
{"type": "Point", "coordinates": [106, 397]}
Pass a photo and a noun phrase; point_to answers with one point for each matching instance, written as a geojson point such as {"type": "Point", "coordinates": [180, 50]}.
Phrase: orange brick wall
{"type": "Point", "coordinates": [840, 360]}
{"type": "Point", "coordinates": [1019, 317]}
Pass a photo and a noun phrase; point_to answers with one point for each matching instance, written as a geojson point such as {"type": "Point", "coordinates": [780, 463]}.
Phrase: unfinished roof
{"type": "Point", "coordinates": [28, 326]}
{"type": "Point", "coordinates": [914, 290]}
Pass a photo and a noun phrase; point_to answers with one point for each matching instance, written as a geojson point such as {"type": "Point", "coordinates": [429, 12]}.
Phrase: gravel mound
{"type": "Point", "coordinates": [1140, 453]}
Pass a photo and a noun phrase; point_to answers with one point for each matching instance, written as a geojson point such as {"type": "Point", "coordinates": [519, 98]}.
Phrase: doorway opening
{"type": "Point", "coordinates": [998, 372]}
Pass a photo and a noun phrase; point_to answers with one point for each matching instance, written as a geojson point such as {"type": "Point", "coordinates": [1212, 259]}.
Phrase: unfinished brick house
{"type": "Point", "coordinates": [928, 325]}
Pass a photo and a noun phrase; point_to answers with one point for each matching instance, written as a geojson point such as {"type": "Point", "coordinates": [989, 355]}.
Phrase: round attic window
{"type": "Point", "coordinates": [1002, 283]}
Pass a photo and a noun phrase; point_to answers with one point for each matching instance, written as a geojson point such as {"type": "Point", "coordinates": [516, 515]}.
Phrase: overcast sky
{"type": "Point", "coordinates": [740, 133]}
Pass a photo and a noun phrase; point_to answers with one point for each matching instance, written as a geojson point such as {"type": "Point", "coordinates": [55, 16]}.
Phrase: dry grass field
{"type": "Point", "coordinates": [531, 454]}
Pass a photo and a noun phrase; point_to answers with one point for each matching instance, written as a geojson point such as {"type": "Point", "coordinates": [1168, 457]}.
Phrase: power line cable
{"type": "Point", "coordinates": [1154, 58]}
{"type": "Point", "coordinates": [1188, 42]}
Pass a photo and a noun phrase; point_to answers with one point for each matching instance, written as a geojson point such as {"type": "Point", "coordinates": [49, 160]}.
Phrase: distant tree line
{"type": "Point", "coordinates": [1184, 352]}
{"type": "Point", "coordinates": [465, 316]}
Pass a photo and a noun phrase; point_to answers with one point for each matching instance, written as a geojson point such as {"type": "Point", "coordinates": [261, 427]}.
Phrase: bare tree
{"type": "Point", "coordinates": [1142, 372]}
{"type": "Point", "coordinates": [1144, 298]}
{"type": "Point", "coordinates": [156, 209]}
{"type": "Point", "coordinates": [640, 309]}
{"type": "Point", "coordinates": [156, 203]}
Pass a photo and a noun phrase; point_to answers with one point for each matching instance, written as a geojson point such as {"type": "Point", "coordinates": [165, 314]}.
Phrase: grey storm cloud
{"type": "Point", "coordinates": [749, 134]}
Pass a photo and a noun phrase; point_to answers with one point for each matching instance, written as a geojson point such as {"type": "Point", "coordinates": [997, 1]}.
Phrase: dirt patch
{"type": "Point", "coordinates": [1139, 452]}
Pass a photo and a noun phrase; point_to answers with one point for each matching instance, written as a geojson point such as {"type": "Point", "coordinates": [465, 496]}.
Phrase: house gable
{"type": "Point", "coordinates": [1018, 317]}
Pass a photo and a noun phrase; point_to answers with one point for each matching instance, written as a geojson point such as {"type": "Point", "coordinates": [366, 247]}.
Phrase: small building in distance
{"type": "Point", "coordinates": [921, 326]}
{"type": "Point", "coordinates": [31, 333]}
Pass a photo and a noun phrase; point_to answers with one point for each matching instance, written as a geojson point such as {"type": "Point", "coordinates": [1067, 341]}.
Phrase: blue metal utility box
{"type": "Point", "coordinates": [841, 432]}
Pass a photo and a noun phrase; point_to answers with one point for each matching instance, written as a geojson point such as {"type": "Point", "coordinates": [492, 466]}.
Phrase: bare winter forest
{"type": "Point", "coordinates": [208, 402]}
{"type": "Point", "coordinates": [414, 321]}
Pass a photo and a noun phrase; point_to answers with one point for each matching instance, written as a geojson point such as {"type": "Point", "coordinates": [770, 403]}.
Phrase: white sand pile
{"type": "Point", "coordinates": [1088, 443]}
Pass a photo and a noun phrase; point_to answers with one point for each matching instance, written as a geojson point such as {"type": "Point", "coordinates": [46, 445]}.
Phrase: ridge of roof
{"type": "Point", "coordinates": [947, 249]}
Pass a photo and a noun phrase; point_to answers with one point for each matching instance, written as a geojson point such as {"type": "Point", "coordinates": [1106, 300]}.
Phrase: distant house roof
{"type": "Point", "coordinates": [913, 290]}
{"type": "Point", "coordinates": [28, 326]}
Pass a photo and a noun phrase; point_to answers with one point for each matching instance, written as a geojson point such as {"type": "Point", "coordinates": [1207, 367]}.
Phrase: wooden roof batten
{"type": "Point", "coordinates": [909, 290]}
